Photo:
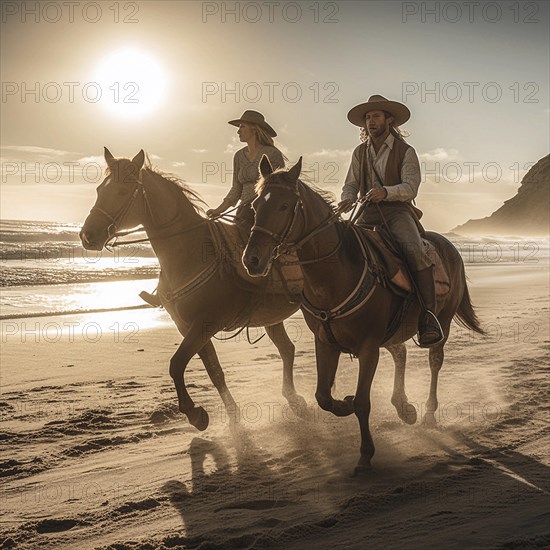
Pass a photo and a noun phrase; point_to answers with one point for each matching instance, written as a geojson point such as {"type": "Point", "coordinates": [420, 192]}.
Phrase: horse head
{"type": "Point", "coordinates": [120, 201]}
{"type": "Point", "coordinates": [276, 209]}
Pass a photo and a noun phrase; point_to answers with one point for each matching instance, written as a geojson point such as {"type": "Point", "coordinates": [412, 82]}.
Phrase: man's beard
{"type": "Point", "coordinates": [378, 132]}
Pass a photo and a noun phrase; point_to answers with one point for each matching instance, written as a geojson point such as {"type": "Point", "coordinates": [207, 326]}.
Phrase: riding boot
{"type": "Point", "coordinates": [151, 299]}
{"type": "Point", "coordinates": [429, 329]}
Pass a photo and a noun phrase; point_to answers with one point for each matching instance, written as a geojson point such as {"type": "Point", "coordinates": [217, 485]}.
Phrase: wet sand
{"type": "Point", "coordinates": [96, 455]}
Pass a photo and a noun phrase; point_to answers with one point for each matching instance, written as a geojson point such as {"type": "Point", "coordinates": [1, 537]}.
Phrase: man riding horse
{"type": "Point", "coordinates": [385, 171]}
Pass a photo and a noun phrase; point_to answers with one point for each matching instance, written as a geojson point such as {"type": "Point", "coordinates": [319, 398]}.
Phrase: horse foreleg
{"type": "Point", "coordinates": [213, 368]}
{"type": "Point", "coordinates": [193, 342]}
{"type": "Point", "coordinates": [405, 410]}
{"type": "Point", "coordinates": [278, 335]}
{"type": "Point", "coordinates": [368, 361]}
{"type": "Point", "coordinates": [327, 363]}
{"type": "Point", "coordinates": [436, 361]}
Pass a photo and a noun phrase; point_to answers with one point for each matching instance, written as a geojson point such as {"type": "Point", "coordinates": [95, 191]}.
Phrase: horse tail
{"type": "Point", "coordinates": [465, 314]}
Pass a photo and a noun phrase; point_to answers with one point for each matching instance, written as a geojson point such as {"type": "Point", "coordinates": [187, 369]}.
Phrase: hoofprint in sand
{"type": "Point", "coordinates": [95, 452]}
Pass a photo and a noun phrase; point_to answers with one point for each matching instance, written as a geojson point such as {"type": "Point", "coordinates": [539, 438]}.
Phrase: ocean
{"type": "Point", "coordinates": [44, 269]}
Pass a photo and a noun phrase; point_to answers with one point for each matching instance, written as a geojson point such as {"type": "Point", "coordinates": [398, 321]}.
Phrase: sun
{"type": "Point", "coordinates": [132, 83]}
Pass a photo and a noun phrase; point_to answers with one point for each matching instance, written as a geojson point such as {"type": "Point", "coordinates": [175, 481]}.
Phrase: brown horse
{"type": "Point", "coordinates": [203, 286]}
{"type": "Point", "coordinates": [343, 303]}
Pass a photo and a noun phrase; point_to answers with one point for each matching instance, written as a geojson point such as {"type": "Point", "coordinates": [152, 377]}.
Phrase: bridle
{"type": "Point", "coordinates": [280, 238]}
{"type": "Point", "coordinates": [118, 218]}
{"type": "Point", "coordinates": [282, 247]}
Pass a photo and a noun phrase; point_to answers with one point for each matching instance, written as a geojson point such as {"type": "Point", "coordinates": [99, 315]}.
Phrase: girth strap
{"type": "Point", "coordinates": [358, 297]}
{"type": "Point", "coordinates": [201, 278]}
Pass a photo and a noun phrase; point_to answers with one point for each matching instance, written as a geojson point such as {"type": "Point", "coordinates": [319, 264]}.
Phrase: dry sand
{"type": "Point", "coordinates": [95, 454]}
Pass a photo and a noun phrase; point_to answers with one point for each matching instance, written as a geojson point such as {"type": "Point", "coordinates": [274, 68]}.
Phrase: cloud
{"type": "Point", "coordinates": [333, 153]}
{"type": "Point", "coordinates": [440, 155]}
{"type": "Point", "coordinates": [199, 150]}
{"type": "Point", "coordinates": [34, 150]}
{"type": "Point", "coordinates": [178, 164]}
{"type": "Point", "coordinates": [98, 159]}
{"type": "Point", "coordinates": [283, 129]}
{"type": "Point", "coordinates": [233, 146]}
{"type": "Point", "coordinates": [284, 149]}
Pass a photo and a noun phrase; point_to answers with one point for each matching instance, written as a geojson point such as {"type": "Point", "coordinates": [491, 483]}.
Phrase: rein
{"type": "Point", "coordinates": [287, 248]}
{"type": "Point", "coordinates": [147, 239]}
{"type": "Point", "coordinates": [123, 210]}
{"type": "Point", "coordinates": [114, 234]}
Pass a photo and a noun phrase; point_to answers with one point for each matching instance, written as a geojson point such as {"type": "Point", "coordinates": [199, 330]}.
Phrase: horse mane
{"type": "Point", "coordinates": [192, 196]}
{"type": "Point", "coordinates": [327, 196]}
{"type": "Point", "coordinates": [349, 242]}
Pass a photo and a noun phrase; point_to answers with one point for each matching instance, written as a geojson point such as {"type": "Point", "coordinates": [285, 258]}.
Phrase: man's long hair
{"type": "Point", "coordinates": [396, 132]}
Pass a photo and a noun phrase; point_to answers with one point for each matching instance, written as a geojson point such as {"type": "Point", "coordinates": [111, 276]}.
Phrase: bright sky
{"type": "Point", "coordinates": [171, 74]}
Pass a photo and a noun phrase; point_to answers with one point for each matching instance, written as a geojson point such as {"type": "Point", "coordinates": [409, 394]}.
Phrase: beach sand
{"type": "Point", "coordinates": [95, 454]}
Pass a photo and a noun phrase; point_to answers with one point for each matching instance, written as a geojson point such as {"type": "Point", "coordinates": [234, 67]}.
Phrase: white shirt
{"type": "Point", "coordinates": [410, 173]}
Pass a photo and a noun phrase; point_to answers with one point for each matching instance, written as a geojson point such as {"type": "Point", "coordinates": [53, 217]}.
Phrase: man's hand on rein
{"type": "Point", "coordinates": [345, 206]}
{"type": "Point", "coordinates": [377, 194]}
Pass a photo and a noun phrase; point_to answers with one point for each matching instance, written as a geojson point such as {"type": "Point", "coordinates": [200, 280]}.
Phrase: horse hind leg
{"type": "Point", "coordinates": [437, 355]}
{"type": "Point", "coordinates": [405, 410]}
{"type": "Point", "coordinates": [368, 361]}
{"type": "Point", "coordinates": [278, 335]}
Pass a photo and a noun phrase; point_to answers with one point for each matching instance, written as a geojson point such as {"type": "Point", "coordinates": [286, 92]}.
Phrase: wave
{"type": "Point", "coordinates": [16, 231]}
{"type": "Point", "coordinates": [69, 312]}
{"type": "Point", "coordinates": [49, 241]}
{"type": "Point", "coordinates": [59, 250]}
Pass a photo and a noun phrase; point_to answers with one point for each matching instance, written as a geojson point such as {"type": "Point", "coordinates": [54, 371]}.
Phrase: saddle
{"type": "Point", "coordinates": [388, 266]}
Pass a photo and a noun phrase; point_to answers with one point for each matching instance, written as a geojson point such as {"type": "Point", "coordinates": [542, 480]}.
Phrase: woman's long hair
{"type": "Point", "coordinates": [263, 137]}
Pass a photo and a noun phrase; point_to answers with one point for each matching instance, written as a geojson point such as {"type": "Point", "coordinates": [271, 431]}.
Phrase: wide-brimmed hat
{"type": "Point", "coordinates": [398, 111]}
{"type": "Point", "coordinates": [253, 117]}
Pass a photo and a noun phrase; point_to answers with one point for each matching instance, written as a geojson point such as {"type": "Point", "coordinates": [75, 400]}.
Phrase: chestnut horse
{"type": "Point", "coordinates": [343, 303]}
{"type": "Point", "coordinates": [203, 286]}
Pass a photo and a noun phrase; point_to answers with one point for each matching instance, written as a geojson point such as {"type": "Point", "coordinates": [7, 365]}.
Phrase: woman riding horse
{"type": "Point", "coordinates": [258, 136]}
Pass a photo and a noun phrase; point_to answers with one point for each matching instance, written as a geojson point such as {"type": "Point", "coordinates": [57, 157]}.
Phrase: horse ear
{"type": "Point", "coordinates": [109, 159]}
{"type": "Point", "coordinates": [294, 172]}
{"type": "Point", "coordinates": [265, 167]}
{"type": "Point", "coordinates": [139, 159]}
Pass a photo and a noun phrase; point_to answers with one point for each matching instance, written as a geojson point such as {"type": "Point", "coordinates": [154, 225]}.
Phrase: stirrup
{"type": "Point", "coordinates": [151, 299]}
{"type": "Point", "coordinates": [436, 326]}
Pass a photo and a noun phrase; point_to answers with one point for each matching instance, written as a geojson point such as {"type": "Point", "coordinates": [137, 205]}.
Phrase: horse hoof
{"type": "Point", "coordinates": [407, 413]}
{"type": "Point", "coordinates": [299, 406]}
{"type": "Point", "coordinates": [198, 417]}
{"type": "Point", "coordinates": [429, 420]}
{"type": "Point", "coordinates": [362, 470]}
{"type": "Point", "coordinates": [344, 407]}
